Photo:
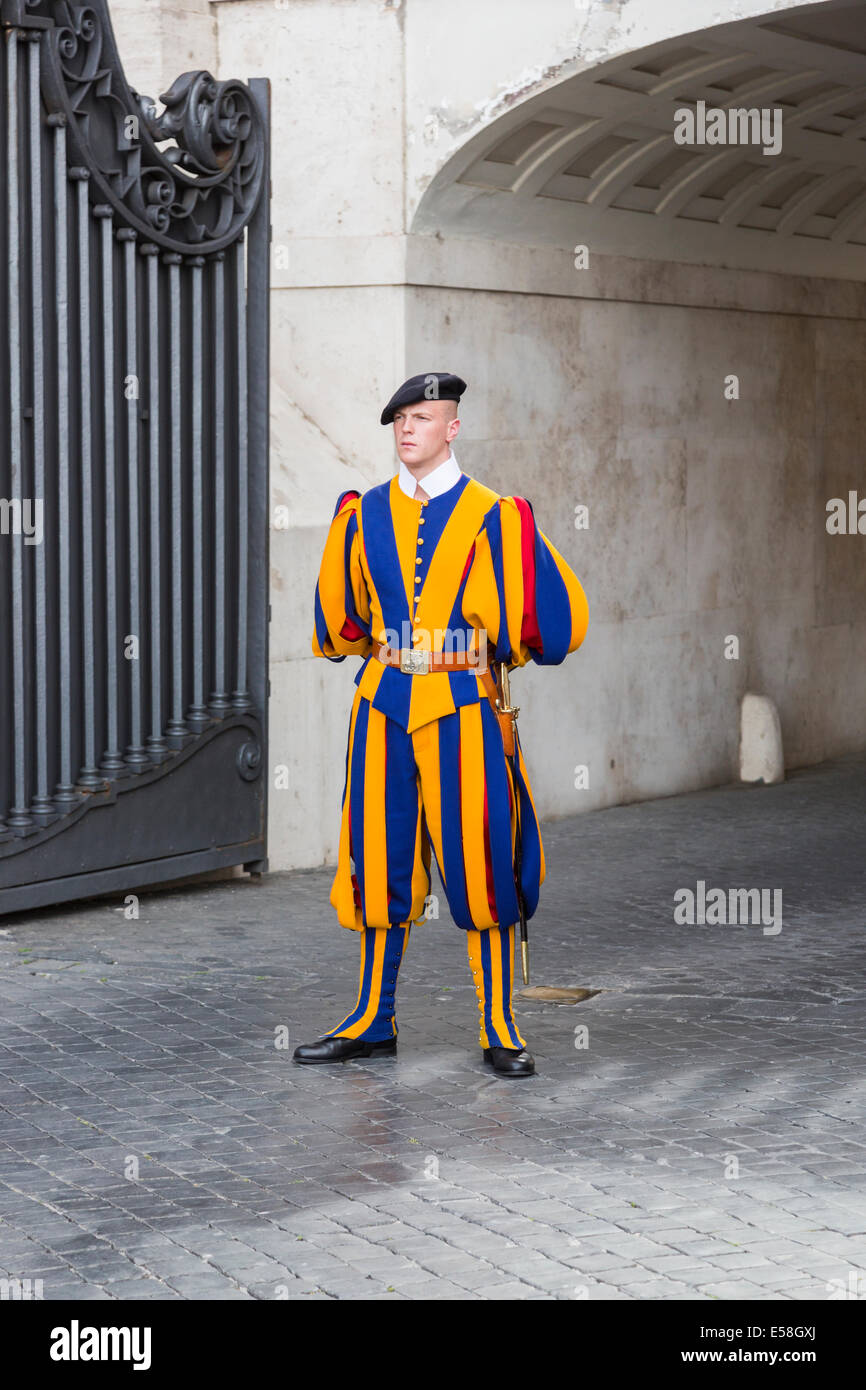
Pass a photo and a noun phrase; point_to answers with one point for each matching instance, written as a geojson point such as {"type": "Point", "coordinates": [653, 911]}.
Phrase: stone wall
{"type": "Point", "coordinates": [706, 515]}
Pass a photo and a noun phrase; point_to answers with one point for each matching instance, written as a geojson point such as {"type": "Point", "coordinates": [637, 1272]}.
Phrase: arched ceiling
{"type": "Point", "coordinates": [594, 160]}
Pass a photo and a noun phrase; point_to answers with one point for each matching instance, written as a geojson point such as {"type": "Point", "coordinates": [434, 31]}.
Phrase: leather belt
{"type": "Point", "coordinates": [415, 662]}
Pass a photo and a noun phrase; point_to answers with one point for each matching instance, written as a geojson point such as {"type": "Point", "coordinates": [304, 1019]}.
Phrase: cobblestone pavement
{"type": "Point", "coordinates": [707, 1142]}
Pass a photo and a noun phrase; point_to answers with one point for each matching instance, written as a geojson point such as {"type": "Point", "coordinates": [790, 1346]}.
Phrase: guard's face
{"type": "Point", "coordinates": [423, 431]}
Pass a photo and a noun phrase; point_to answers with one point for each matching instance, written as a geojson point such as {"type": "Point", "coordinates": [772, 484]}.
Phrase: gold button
{"type": "Point", "coordinates": [421, 520]}
{"type": "Point", "coordinates": [417, 579]}
{"type": "Point", "coordinates": [418, 561]}
{"type": "Point", "coordinates": [420, 540]}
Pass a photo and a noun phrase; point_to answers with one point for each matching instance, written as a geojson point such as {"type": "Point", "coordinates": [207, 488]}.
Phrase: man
{"type": "Point", "coordinates": [418, 575]}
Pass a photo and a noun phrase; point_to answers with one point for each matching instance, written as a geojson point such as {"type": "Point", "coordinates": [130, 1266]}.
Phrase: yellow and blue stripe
{"type": "Point", "coordinates": [448, 790]}
{"type": "Point", "coordinates": [374, 1015]}
{"type": "Point", "coordinates": [491, 957]}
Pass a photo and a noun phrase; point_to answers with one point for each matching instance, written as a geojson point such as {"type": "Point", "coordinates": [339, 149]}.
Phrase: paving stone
{"type": "Point", "coordinates": [730, 1288]}
{"type": "Point", "coordinates": [606, 1172]}
{"type": "Point", "coordinates": [740, 1259]}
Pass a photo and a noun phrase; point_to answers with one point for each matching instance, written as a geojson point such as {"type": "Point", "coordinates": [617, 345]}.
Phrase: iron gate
{"type": "Point", "coordinates": [134, 270]}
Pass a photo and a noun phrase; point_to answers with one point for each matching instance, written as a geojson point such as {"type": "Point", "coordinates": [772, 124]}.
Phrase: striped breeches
{"type": "Point", "coordinates": [491, 957]}
{"type": "Point", "coordinates": [446, 786]}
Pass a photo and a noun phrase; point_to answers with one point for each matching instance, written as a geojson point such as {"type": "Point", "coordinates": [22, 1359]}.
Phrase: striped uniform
{"type": "Point", "coordinates": [425, 763]}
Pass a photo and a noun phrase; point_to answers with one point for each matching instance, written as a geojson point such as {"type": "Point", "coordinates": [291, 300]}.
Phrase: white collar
{"type": "Point", "coordinates": [434, 483]}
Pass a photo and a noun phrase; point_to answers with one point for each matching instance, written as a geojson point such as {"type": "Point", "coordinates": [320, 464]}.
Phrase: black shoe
{"type": "Point", "coordinates": [510, 1061]}
{"type": "Point", "coordinates": [341, 1049]}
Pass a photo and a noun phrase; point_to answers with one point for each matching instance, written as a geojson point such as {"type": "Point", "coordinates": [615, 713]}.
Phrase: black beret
{"type": "Point", "coordinates": [430, 386]}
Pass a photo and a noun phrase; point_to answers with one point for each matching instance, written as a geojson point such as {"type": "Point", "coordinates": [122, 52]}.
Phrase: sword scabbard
{"type": "Point", "coordinates": [507, 715]}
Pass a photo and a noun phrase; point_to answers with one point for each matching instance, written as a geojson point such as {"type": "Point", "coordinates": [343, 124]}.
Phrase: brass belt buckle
{"type": "Point", "coordinates": [414, 662]}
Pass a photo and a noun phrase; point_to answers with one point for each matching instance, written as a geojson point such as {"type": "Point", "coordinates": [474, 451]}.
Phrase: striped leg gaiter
{"type": "Point", "coordinates": [491, 956]}
{"type": "Point", "coordinates": [373, 1017]}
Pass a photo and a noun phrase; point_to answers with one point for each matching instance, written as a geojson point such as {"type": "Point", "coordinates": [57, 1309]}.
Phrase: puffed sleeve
{"type": "Point", "coordinates": [521, 591]}
{"type": "Point", "coordinates": [342, 607]}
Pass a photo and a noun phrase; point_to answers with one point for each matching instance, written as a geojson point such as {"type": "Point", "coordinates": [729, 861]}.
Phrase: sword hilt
{"type": "Point", "coordinates": [504, 704]}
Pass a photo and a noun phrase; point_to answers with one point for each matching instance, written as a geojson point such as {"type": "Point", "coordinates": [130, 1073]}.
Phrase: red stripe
{"type": "Point", "coordinates": [356, 890]}
{"type": "Point", "coordinates": [343, 498]}
{"type": "Point", "coordinates": [385, 819]}
{"type": "Point", "coordinates": [529, 632]}
{"type": "Point", "coordinates": [469, 560]}
{"type": "Point", "coordinates": [350, 631]}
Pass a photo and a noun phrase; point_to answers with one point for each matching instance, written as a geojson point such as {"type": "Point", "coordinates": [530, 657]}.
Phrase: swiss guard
{"type": "Point", "coordinates": [440, 586]}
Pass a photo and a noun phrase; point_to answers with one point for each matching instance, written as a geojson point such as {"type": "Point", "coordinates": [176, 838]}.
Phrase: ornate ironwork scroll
{"type": "Point", "coordinates": [134, 274]}
{"type": "Point", "coordinates": [188, 177]}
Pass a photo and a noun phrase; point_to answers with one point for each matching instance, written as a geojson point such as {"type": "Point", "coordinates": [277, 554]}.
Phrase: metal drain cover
{"type": "Point", "coordinates": [555, 995]}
